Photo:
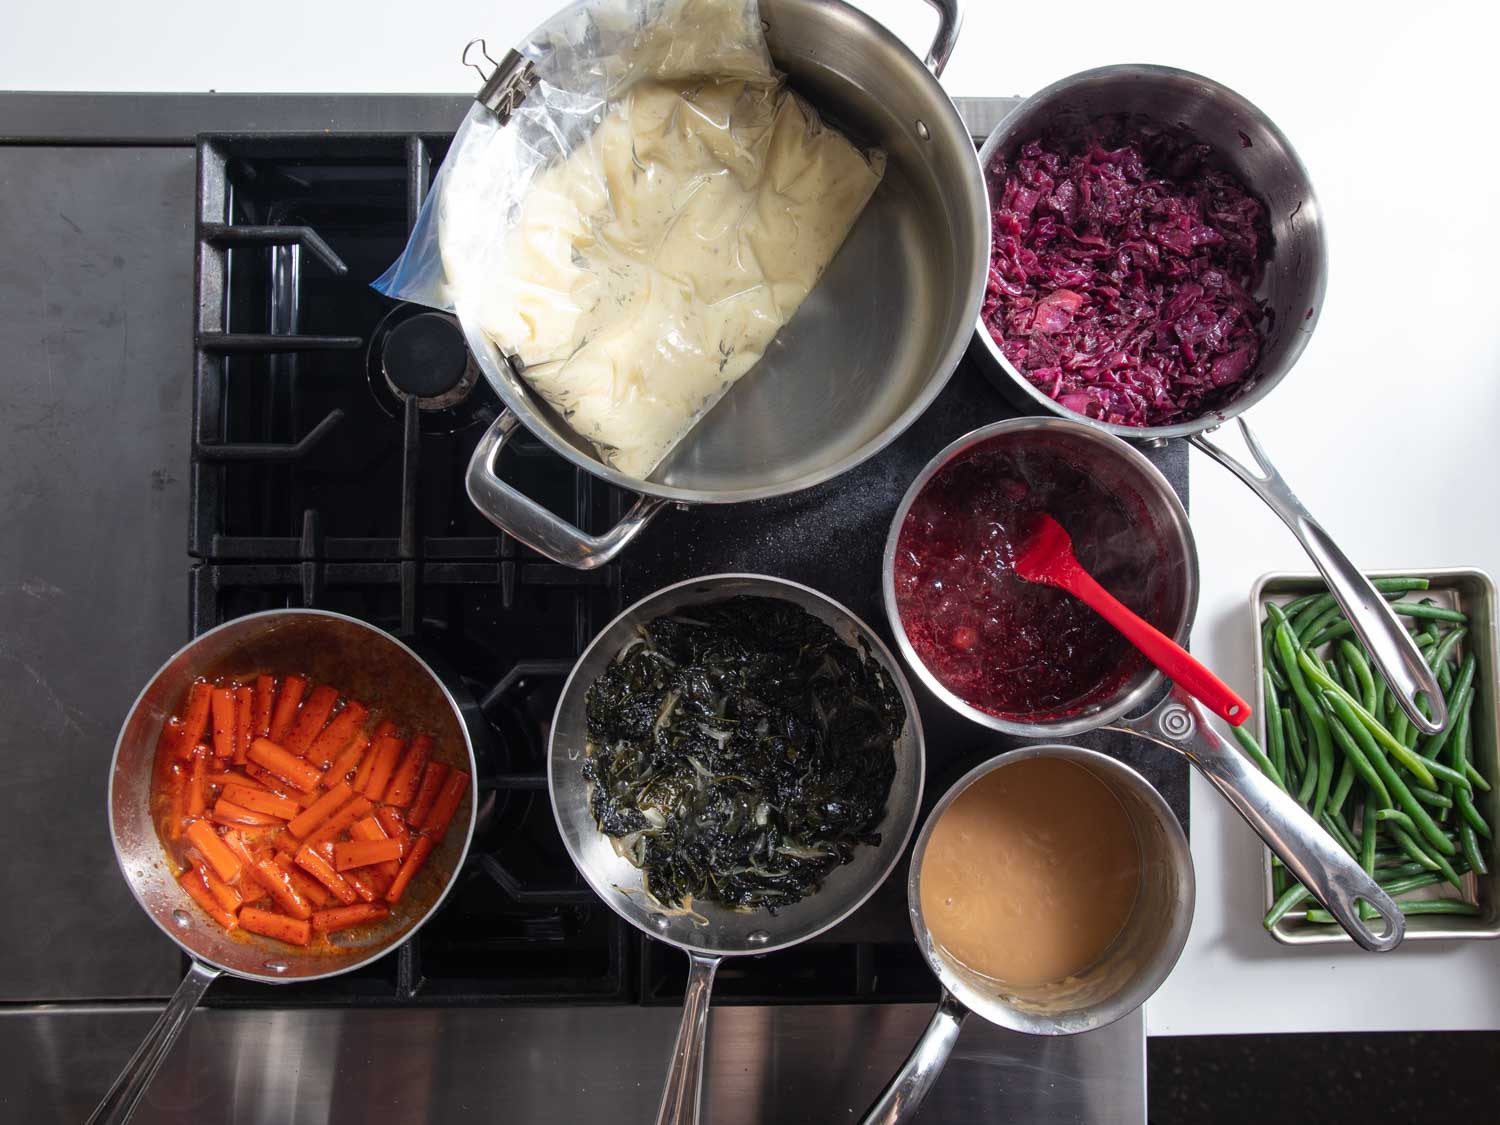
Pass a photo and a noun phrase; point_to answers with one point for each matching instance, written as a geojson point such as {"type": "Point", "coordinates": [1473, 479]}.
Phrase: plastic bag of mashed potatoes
{"type": "Point", "coordinates": [655, 210]}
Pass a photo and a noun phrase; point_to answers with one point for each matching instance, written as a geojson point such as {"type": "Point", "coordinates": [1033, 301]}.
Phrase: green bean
{"type": "Point", "coordinates": [1413, 849]}
{"type": "Point", "coordinates": [1317, 624]}
{"type": "Point", "coordinates": [1396, 816]}
{"type": "Point", "coordinates": [1305, 616]}
{"type": "Point", "coordinates": [1414, 906]}
{"type": "Point", "coordinates": [1429, 612]}
{"type": "Point", "coordinates": [1471, 814]}
{"type": "Point", "coordinates": [1353, 753]}
{"type": "Point", "coordinates": [1439, 655]}
{"type": "Point", "coordinates": [1309, 784]}
{"type": "Point", "coordinates": [1292, 662]}
{"type": "Point", "coordinates": [1415, 765]}
{"type": "Point", "coordinates": [1393, 783]}
{"type": "Point", "coordinates": [1341, 787]}
{"type": "Point", "coordinates": [1369, 829]}
{"type": "Point", "coordinates": [1457, 700]}
{"type": "Point", "coordinates": [1431, 798]}
{"type": "Point", "coordinates": [1275, 740]}
{"type": "Point", "coordinates": [1445, 677]}
{"type": "Point", "coordinates": [1251, 747]}
{"type": "Point", "coordinates": [1339, 832]}
{"type": "Point", "coordinates": [1292, 731]}
{"type": "Point", "coordinates": [1388, 875]}
{"type": "Point", "coordinates": [1472, 853]}
{"type": "Point", "coordinates": [1355, 659]}
{"type": "Point", "coordinates": [1476, 778]}
{"type": "Point", "coordinates": [1291, 898]}
{"type": "Point", "coordinates": [1457, 778]}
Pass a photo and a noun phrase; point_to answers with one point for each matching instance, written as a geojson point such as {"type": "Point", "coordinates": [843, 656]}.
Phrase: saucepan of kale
{"type": "Point", "coordinates": [739, 750]}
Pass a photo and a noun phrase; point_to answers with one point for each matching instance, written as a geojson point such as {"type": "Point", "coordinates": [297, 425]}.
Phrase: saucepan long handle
{"type": "Point", "coordinates": [130, 1087]}
{"type": "Point", "coordinates": [679, 1101]}
{"type": "Point", "coordinates": [1389, 644]}
{"type": "Point", "coordinates": [900, 1100]}
{"type": "Point", "coordinates": [950, 19]}
{"type": "Point", "coordinates": [1310, 854]}
{"type": "Point", "coordinates": [522, 517]}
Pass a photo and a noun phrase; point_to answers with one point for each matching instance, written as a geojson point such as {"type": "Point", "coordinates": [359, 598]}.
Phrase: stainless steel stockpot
{"type": "Point", "coordinates": [1263, 159]}
{"type": "Point", "coordinates": [869, 350]}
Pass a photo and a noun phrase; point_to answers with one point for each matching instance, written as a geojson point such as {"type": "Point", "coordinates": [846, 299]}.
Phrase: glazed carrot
{"type": "Point", "coordinates": [224, 722]}
{"type": "Point", "coordinates": [283, 893]}
{"type": "Point", "coordinates": [385, 759]}
{"type": "Point", "coordinates": [265, 699]}
{"type": "Point", "coordinates": [284, 842]}
{"type": "Point", "coordinates": [240, 846]}
{"type": "Point", "coordinates": [329, 830]}
{"type": "Point", "coordinates": [269, 781]}
{"type": "Point", "coordinates": [261, 801]}
{"type": "Point", "coordinates": [384, 734]}
{"type": "Point", "coordinates": [196, 799]}
{"type": "Point", "coordinates": [245, 781]}
{"type": "Point", "coordinates": [446, 804]}
{"type": "Point", "coordinates": [195, 717]}
{"type": "Point", "coordinates": [337, 735]}
{"type": "Point", "coordinates": [226, 896]}
{"type": "Point", "coordinates": [177, 792]}
{"type": "Point", "coordinates": [284, 764]}
{"type": "Point", "coordinates": [392, 822]}
{"type": "Point", "coordinates": [420, 850]}
{"type": "Point", "coordinates": [403, 786]}
{"type": "Point", "coordinates": [286, 707]}
{"type": "Point", "coordinates": [320, 810]}
{"type": "Point", "coordinates": [364, 853]}
{"type": "Point", "coordinates": [278, 926]}
{"type": "Point", "coordinates": [227, 812]}
{"type": "Point", "coordinates": [346, 917]}
{"type": "Point", "coordinates": [432, 784]}
{"type": "Point", "coordinates": [308, 887]}
{"type": "Point", "coordinates": [367, 883]}
{"type": "Point", "coordinates": [244, 701]}
{"type": "Point", "coordinates": [370, 828]}
{"type": "Point", "coordinates": [213, 849]}
{"type": "Point", "coordinates": [319, 868]}
{"type": "Point", "coordinates": [311, 719]}
{"type": "Point", "coordinates": [191, 881]}
{"type": "Point", "coordinates": [346, 762]}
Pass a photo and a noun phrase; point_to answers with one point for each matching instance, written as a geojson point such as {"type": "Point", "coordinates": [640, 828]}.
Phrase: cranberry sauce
{"type": "Point", "coordinates": [1006, 646]}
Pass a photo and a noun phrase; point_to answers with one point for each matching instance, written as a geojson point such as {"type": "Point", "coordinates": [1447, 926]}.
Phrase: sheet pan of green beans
{"type": "Point", "coordinates": [1417, 811]}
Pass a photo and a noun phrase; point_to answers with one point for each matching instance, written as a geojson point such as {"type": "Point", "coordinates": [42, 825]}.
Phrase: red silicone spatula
{"type": "Point", "coordinates": [1045, 555]}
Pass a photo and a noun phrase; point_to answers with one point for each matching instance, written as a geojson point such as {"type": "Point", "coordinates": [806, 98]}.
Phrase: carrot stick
{"type": "Point", "coordinates": [384, 732]}
{"type": "Point", "coordinates": [337, 735]}
{"type": "Point", "coordinates": [446, 805]}
{"type": "Point", "coordinates": [320, 810]}
{"type": "Point", "coordinates": [365, 853]}
{"type": "Point", "coordinates": [286, 707]}
{"type": "Point", "coordinates": [366, 883]}
{"type": "Point", "coordinates": [347, 917]}
{"type": "Point", "coordinates": [357, 807]}
{"type": "Point", "coordinates": [278, 926]}
{"type": "Point", "coordinates": [284, 764]}
{"type": "Point", "coordinates": [195, 717]}
{"type": "Point", "coordinates": [191, 881]}
{"type": "Point", "coordinates": [224, 722]}
{"type": "Point", "coordinates": [269, 781]}
{"type": "Point", "coordinates": [239, 844]}
{"type": "Point", "coordinates": [284, 843]}
{"type": "Point", "coordinates": [370, 828]}
{"type": "Point", "coordinates": [227, 897]}
{"type": "Point", "coordinates": [348, 759]}
{"type": "Point", "coordinates": [403, 786]}
{"type": "Point", "coordinates": [319, 868]}
{"type": "Point", "coordinates": [308, 887]}
{"type": "Point", "coordinates": [383, 757]}
{"type": "Point", "coordinates": [311, 719]}
{"type": "Point", "coordinates": [392, 822]}
{"type": "Point", "coordinates": [197, 788]}
{"type": "Point", "coordinates": [245, 781]}
{"type": "Point", "coordinates": [413, 863]}
{"type": "Point", "coordinates": [244, 701]}
{"type": "Point", "coordinates": [213, 849]}
{"type": "Point", "coordinates": [261, 801]}
{"type": "Point", "coordinates": [432, 784]}
{"type": "Point", "coordinates": [283, 893]}
{"type": "Point", "coordinates": [227, 812]}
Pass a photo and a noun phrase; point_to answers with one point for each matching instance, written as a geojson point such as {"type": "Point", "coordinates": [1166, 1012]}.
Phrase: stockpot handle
{"type": "Point", "coordinates": [119, 1104]}
{"type": "Point", "coordinates": [1310, 854]}
{"type": "Point", "coordinates": [1389, 645]}
{"type": "Point", "coordinates": [526, 520]}
{"type": "Point", "coordinates": [950, 19]}
{"type": "Point", "coordinates": [684, 1090]}
{"type": "Point", "coordinates": [901, 1099]}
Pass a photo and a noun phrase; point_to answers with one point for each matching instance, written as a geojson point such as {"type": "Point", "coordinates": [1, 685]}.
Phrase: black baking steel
{"type": "Point", "coordinates": [320, 478]}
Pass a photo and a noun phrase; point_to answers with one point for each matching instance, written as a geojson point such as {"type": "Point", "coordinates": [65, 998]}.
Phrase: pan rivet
{"type": "Point", "coordinates": [758, 937]}
{"type": "Point", "coordinates": [1176, 722]}
{"type": "Point", "coordinates": [922, 130]}
{"type": "Point", "coordinates": [276, 966]}
{"type": "Point", "coordinates": [180, 917]}
{"type": "Point", "coordinates": [660, 921]}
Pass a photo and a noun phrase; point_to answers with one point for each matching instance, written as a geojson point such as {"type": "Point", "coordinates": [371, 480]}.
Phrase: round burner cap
{"type": "Point", "coordinates": [425, 356]}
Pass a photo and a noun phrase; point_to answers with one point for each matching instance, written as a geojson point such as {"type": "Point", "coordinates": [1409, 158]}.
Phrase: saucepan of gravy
{"type": "Point", "coordinates": [1051, 891]}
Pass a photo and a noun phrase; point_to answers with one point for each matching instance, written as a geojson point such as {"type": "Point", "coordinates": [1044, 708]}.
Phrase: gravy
{"type": "Point", "coordinates": [1031, 873]}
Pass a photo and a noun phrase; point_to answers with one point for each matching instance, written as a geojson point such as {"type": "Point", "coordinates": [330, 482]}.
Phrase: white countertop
{"type": "Point", "coordinates": [1387, 430]}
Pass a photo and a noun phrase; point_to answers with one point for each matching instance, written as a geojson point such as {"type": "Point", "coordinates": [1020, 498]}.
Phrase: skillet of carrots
{"type": "Point", "coordinates": [292, 812]}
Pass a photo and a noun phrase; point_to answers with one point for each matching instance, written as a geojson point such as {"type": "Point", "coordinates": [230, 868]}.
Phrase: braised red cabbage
{"type": "Point", "coordinates": [1122, 271]}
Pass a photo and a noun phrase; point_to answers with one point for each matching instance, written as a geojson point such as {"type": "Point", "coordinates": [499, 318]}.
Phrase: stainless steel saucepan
{"type": "Point", "coordinates": [1177, 722]}
{"type": "Point", "coordinates": [329, 648]}
{"type": "Point", "coordinates": [871, 347]}
{"type": "Point", "coordinates": [1124, 977]}
{"type": "Point", "coordinates": [1263, 159]}
{"type": "Point", "coordinates": [718, 932]}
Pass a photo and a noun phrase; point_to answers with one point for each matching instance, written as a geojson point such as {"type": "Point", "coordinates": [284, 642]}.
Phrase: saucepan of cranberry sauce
{"type": "Point", "coordinates": [1024, 658]}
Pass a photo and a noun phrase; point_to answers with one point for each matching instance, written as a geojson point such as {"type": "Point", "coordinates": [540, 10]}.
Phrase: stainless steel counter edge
{"type": "Point", "coordinates": [766, 1066]}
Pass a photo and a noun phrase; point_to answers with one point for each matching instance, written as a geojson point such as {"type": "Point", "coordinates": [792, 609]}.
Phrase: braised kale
{"type": "Point", "coordinates": [739, 751]}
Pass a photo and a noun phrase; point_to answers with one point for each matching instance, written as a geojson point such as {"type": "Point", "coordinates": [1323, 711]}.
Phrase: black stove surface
{"type": "Point", "coordinates": [332, 429]}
